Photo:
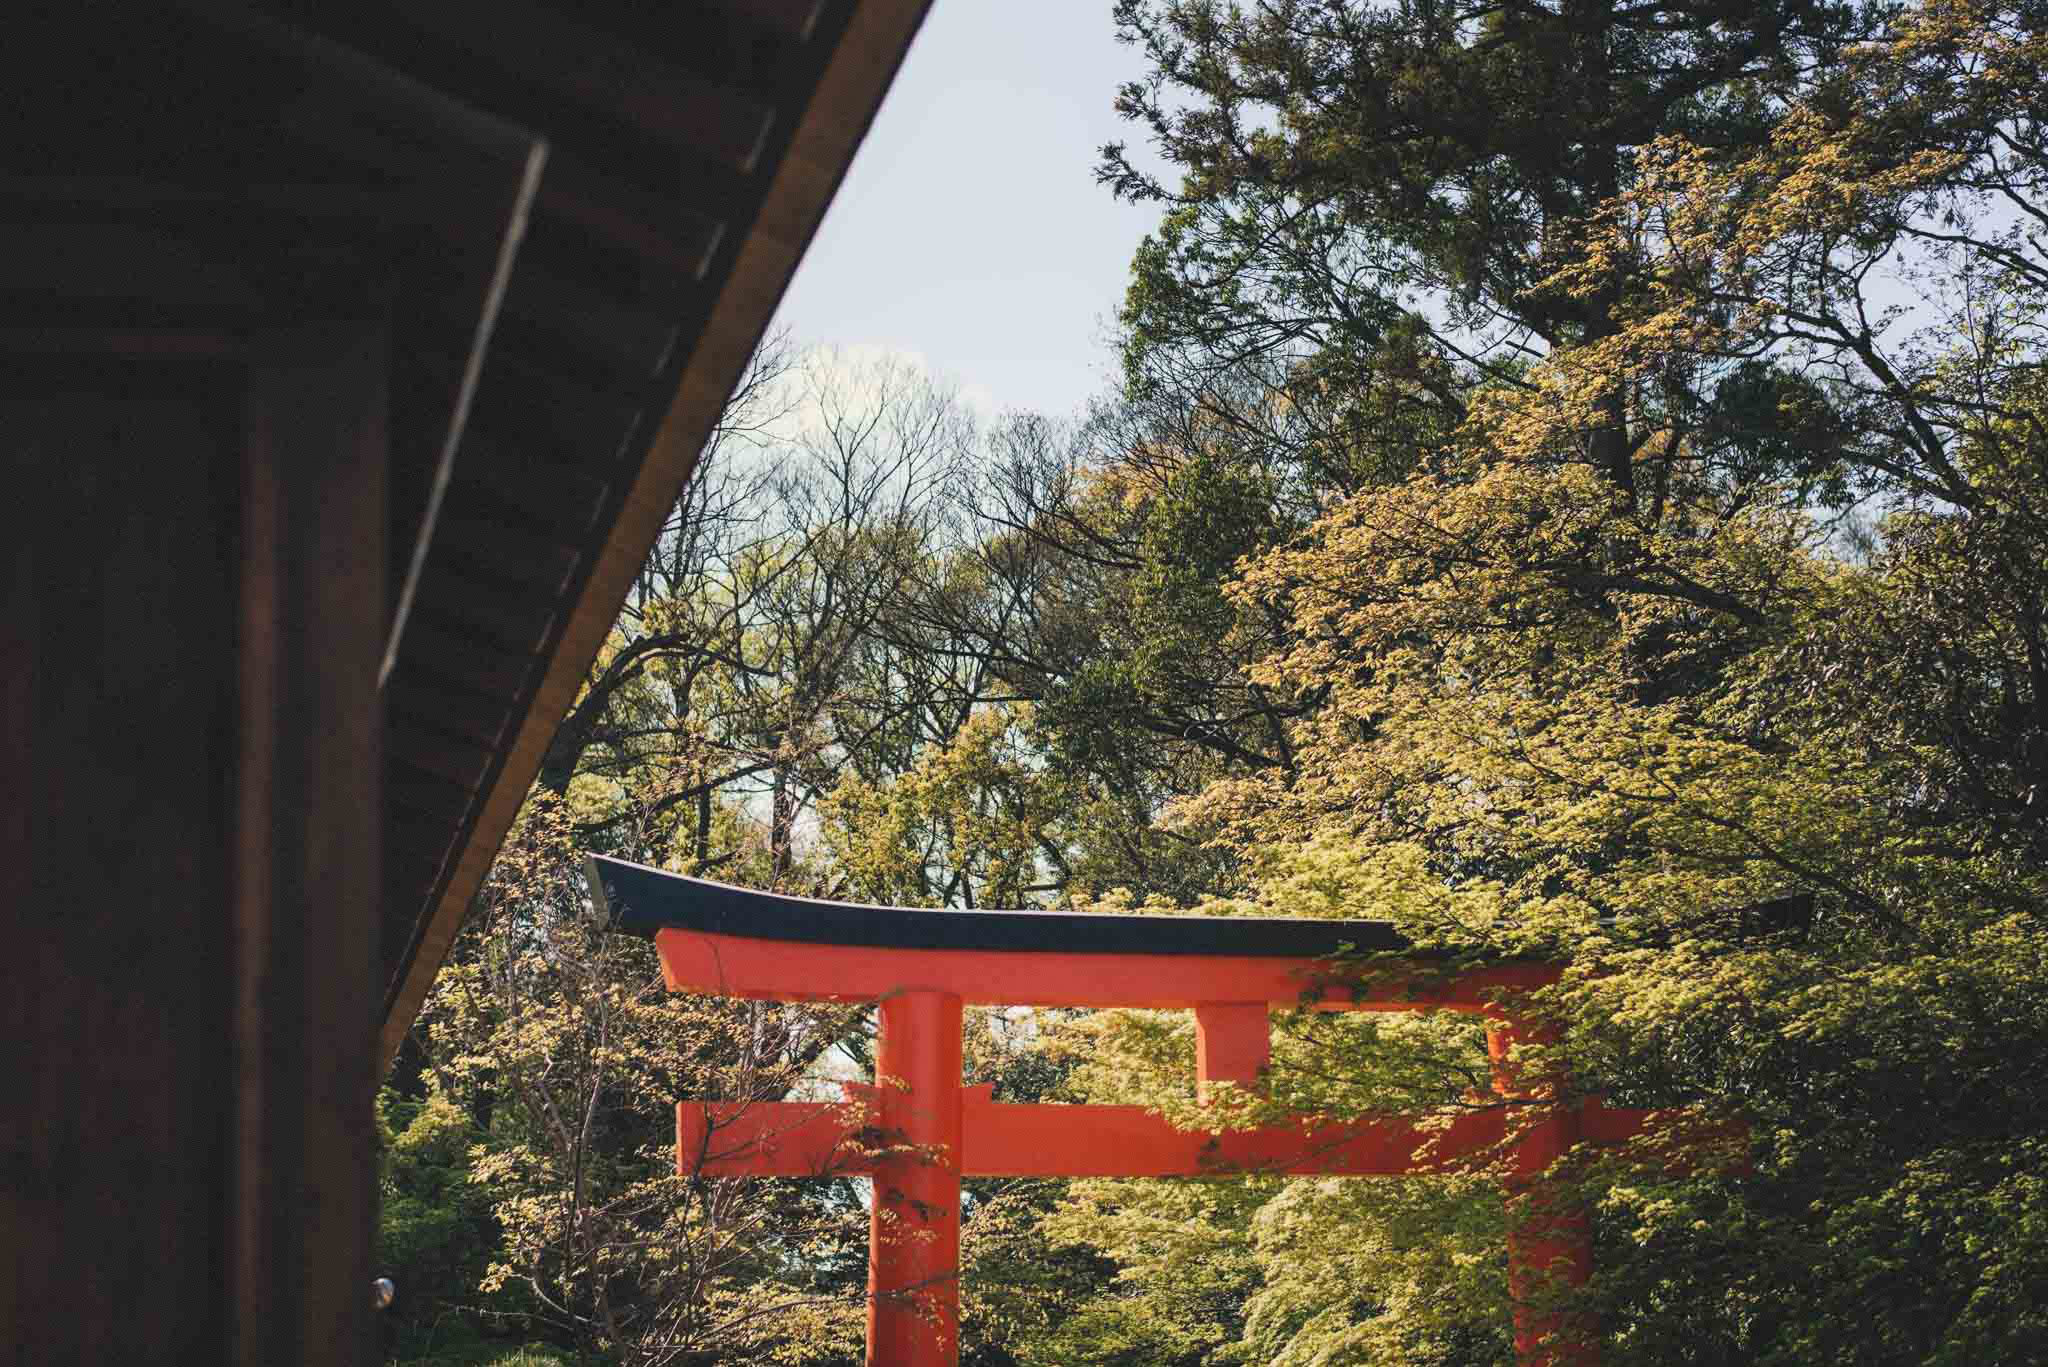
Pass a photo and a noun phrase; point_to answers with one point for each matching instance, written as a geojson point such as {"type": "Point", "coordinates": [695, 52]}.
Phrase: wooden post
{"type": "Point", "coordinates": [314, 609]}
{"type": "Point", "coordinates": [195, 588]}
{"type": "Point", "coordinates": [1550, 1239]}
{"type": "Point", "coordinates": [914, 1226]}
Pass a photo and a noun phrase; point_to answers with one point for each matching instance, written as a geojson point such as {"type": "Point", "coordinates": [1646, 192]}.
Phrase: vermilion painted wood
{"type": "Point", "coordinates": [1550, 1240]}
{"type": "Point", "coordinates": [920, 1131]}
{"type": "Point", "coordinates": [776, 1138]}
{"type": "Point", "coordinates": [817, 1139]}
{"type": "Point", "coordinates": [785, 970]}
{"type": "Point", "coordinates": [810, 1139]}
{"type": "Point", "coordinates": [1233, 1043]}
{"type": "Point", "coordinates": [1129, 1141]}
{"type": "Point", "coordinates": [914, 1220]}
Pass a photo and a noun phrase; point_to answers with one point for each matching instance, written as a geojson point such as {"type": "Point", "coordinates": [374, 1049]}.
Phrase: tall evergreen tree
{"type": "Point", "coordinates": [1575, 714]}
{"type": "Point", "coordinates": [1367, 205]}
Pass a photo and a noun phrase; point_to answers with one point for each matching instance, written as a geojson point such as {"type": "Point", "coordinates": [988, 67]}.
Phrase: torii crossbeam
{"type": "Point", "coordinates": [918, 1131]}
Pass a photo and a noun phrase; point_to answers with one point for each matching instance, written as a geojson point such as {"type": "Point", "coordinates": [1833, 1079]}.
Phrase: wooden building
{"type": "Point", "coordinates": [354, 353]}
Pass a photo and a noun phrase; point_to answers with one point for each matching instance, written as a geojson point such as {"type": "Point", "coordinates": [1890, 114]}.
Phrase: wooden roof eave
{"type": "Point", "coordinates": [852, 82]}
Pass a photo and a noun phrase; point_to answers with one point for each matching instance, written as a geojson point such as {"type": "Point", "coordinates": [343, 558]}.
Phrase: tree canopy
{"type": "Point", "coordinates": [1577, 479]}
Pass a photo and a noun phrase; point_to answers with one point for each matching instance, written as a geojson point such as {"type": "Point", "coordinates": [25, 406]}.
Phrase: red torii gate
{"type": "Point", "coordinates": [918, 1131]}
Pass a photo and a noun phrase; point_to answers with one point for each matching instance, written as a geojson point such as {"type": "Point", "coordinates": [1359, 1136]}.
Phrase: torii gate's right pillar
{"type": "Point", "coordinates": [1550, 1237]}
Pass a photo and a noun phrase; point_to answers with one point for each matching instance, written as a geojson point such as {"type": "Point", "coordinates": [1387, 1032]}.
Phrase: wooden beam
{"type": "Point", "coordinates": [1001, 1139]}
{"type": "Point", "coordinates": [116, 730]}
{"type": "Point", "coordinates": [464, 144]}
{"type": "Point", "coordinates": [1005, 1139]}
{"type": "Point", "coordinates": [787, 970]}
{"type": "Point", "coordinates": [1233, 1043]}
{"type": "Point", "coordinates": [359, 79]}
{"type": "Point", "coordinates": [627, 81]}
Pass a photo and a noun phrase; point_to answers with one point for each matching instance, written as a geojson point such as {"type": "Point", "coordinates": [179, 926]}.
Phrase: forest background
{"type": "Point", "coordinates": [1578, 473]}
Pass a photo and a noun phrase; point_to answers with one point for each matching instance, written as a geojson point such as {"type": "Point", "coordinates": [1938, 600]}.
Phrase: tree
{"type": "Point", "coordinates": [1374, 200]}
{"type": "Point", "coordinates": [560, 1043]}
{"type": "Point", "coordinates": [1553, 541]}
{"type": "Point", "coordinates": [435, 1230]}
{"type": "Point", "coordinates": [1574, 714]}
{"type": "Point", "coordinates": [975, 822]}
{"type": "Point", "coordinates": [1365, 207]}
{"type": "Point", "coordinates": [1092, 592]}
{"type": "Point", "coordinates": [763, 699]}
{"type": "Point", "coordinates": [751, 665]}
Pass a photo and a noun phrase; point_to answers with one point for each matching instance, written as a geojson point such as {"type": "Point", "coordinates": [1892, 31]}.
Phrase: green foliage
{"type": "Point", "coordinates": [1373, 199]}
{"type": "Point", "coordinates": [541, 1168]}
{"type": "Point", "coordinates": [436, 1235]}
{"type": "Point", "coordinates": [1534, 519]}
{"type": "Point", "coordinates": [457, 1349]}
{"type": "Point", "coordinates": [1019, 1281]}
{"type": "Point", "coordinates": [1181, 1280]}
{"type": "Point", "coordinates": [1599, 667]}
{"type": "Point", "coordinates": [966, 823]}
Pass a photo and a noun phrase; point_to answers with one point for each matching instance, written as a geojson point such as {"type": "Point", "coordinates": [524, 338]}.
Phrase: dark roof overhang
{"type": "Point", "coordinates": [691, 152]}
{"type": "Point", "coordinates": [578, 218]}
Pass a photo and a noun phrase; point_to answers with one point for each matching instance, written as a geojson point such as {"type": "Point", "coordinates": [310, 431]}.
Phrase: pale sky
{"type": "Point", "coordinates": [970, 233]}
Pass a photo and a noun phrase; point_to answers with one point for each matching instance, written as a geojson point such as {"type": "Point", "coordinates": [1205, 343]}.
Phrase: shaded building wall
{"type": "Point", "coordinates": [194, 604]}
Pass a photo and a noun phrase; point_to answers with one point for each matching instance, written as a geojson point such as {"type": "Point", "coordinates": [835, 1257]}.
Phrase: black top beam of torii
{"type": "Point", "coordinates": [643, 900]}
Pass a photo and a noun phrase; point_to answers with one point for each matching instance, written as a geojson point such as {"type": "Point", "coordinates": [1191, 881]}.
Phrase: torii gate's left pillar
{"type": "Point", "coordinates": [914, 1225]}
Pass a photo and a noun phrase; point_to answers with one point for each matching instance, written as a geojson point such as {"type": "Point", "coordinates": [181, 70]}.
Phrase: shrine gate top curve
{"type": "Point", "coordinates": [739, 942]}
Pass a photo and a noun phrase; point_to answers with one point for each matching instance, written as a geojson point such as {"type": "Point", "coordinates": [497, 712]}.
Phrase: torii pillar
{"type": "Point", "coordinates": [914, 1218]}
{"type": "Point", "coordinates": [918, 1131]}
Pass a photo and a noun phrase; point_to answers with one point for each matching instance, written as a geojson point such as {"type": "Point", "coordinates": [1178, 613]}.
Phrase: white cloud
{"type": "Point", "coordinates": [831, 382]}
